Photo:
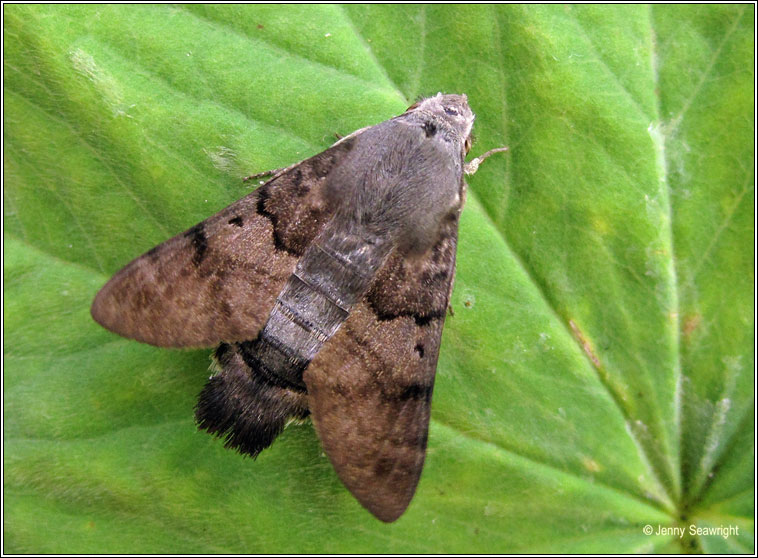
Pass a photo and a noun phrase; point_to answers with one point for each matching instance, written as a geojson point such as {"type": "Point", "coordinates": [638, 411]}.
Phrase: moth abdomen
{"type": "Point", "coordinates": [279, 364]}
{"type": "Point", "coordinates": [333, 274]}
{"type": "Point", "coordinates": [244, 405]}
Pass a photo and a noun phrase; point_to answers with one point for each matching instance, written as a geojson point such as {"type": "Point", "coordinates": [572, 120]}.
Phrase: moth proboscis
{"type": "Point", "coordinates": [324, 292]}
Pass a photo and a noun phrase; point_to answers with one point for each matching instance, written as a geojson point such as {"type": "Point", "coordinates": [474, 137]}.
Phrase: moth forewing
{"type": "Point", "coordinates": [325, 292]}
{"type": "Point", "coordinates": [218, 281]}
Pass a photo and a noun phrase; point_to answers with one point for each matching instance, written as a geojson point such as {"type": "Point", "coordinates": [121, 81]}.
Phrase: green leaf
{"type": "Point", "coordinates": [597, 376]}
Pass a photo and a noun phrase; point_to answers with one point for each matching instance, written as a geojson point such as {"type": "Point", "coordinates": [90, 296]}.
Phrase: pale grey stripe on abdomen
{"type": "Point", "coordinates": [316, 299]}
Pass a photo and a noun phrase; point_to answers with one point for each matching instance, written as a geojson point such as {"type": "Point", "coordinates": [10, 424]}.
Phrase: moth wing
{"type": "Point", "coordinates": [218, 281]}
{"type": "Point", "coordinates": [370, 387]}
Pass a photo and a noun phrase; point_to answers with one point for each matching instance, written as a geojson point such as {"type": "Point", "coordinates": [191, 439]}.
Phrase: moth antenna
{"type": "Point", "coordinates": [472, 166]}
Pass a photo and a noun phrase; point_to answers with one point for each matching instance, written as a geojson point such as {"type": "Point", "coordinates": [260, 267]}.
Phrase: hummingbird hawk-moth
{"type": "Point", "coordinates": [324, 292]}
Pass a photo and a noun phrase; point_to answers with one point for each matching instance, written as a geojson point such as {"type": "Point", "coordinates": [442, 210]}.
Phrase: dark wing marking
{"type": "Point", "coordinates": [218, 281]}
{"type": "Point", "coordinates": [370, 387]}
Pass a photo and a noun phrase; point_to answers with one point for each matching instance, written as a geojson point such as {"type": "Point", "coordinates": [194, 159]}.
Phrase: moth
{"type": "Point", "coordinates": [324, 292]}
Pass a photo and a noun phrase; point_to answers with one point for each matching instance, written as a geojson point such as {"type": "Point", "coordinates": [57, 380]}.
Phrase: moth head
{"type": "Point", "coordinates": [453, 109]}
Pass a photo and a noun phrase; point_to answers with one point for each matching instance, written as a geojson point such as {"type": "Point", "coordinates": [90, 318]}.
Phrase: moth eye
{"type": "Point", "coordinates": [467, 144]}
{"type": "Point", "coordinates": [451, 111]}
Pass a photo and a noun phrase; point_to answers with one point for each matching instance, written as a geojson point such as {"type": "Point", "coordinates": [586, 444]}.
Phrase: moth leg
{"type": "Point", "coordinates": [450, 292]}
{"type": "Point", "coordinates": [271, 172]}
{"type": "Point", "coordinates": [473, 165]}
{"type": "Point", "coordinates": [341, 139]}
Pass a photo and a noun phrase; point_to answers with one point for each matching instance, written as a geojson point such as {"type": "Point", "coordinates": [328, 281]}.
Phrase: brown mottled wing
{"type": "Point", "coordinates": [370, 387]}
{"type": "Point", "coordinates": [218, 281]}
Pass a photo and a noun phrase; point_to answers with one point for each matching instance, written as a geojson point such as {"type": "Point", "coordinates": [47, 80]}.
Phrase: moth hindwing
{"type": "Point", "coordinates": [324, 291]}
